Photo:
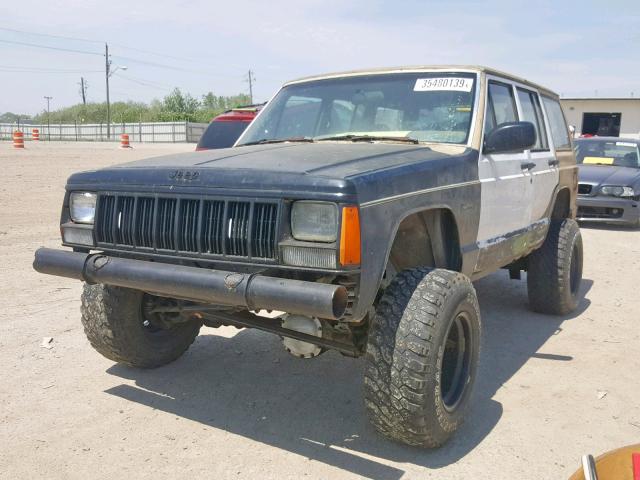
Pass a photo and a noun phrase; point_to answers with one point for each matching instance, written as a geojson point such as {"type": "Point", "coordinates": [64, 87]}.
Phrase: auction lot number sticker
{"type": "Point", "coordinates": [459, 84]}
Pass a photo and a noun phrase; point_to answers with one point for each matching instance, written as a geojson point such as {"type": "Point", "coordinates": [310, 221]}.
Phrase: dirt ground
{"type": "Point", "coordinates": [550, 389]}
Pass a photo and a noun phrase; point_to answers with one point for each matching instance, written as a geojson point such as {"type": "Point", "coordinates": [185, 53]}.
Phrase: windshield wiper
{"type": "Point", "coordinates": [265, 141]}
{"type": "Point", "coordinates": [370, 138]}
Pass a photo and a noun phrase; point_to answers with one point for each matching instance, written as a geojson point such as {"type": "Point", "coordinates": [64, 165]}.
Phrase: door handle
{"type": "Point", "coordinates": [554, 163]}
{"type": "Point", "coordinates": [528, 165]}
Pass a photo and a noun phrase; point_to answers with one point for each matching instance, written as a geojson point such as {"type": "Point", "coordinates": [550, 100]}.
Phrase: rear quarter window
{"type": "Point", "coordinates": [557, 123]}
{"type": "Point", "coordinates": [531, 112]}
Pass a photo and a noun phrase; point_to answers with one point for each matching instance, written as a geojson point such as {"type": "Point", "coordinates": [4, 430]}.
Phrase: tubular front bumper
{"type": "Point", "coordinates": [623, 211]}
{"type": "Point", "coordinates": [218, 287]}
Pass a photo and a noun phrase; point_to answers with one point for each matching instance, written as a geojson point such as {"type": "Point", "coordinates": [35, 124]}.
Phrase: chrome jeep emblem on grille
{"type": "Point", "coordinates": [186, 175]}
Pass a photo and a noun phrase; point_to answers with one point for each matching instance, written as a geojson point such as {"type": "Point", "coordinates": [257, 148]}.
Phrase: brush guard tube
{"type": "Point", "coordinates": [218, 287]}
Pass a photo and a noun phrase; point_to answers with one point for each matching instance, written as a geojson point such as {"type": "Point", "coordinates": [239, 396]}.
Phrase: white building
{"type": "Point", "coordinates": [615, 117]}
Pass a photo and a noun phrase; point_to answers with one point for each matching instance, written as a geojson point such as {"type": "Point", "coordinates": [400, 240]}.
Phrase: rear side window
{"type": "Point", "coordinates": [557, 124]}
{"type": "Point", "coordinates": [222, 134]}
{"type": "Point", "coordinates": [531, 112]}
{"type": "Point", "coordinates": [501, 106]}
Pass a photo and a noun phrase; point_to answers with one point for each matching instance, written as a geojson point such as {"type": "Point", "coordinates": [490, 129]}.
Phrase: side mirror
{"type": "Point", "coordinates": [510, 137]}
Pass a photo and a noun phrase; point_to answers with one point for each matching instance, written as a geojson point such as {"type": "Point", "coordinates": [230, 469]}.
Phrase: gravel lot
{"type": "Point", "coordinates": [550, 389]}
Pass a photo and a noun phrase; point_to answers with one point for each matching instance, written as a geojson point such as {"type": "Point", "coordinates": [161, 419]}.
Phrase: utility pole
{"type": "Point", "coordinates": [83, 90]}
{"type": "Point", "coordinates": [251, 78]}
{"type": "Point", "coordinates": [48, 99]}
{"type": "Point", "coordinates": [107, 74]}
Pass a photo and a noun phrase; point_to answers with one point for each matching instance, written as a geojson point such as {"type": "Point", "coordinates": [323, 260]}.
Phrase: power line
{"type": "Point", "coordinates": [21, 69]}
{"type": "Point", "coordinates": [40, 69]}
{"type": "Point", "coordinates": [35, 45]}
{"type": "Point", "coordinates": [64, 37]}
{"type": "Point", "coordinates": [144, 83]}
{"type": "Point", "coordinates": [48, 73]}
{"type": "Point", "coordinates": [130, 59]}
{"type": "Point", "coordinates": [172, 57]}
{"type": "Point", "coordinates": [148, 52]}
{"type": "Point", "coordinates": [49, 35]}
{"type": "Point", "coordinates": [171, 67]}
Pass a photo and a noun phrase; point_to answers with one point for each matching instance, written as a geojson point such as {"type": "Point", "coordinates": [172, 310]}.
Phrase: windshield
{"type": "Point", "coordinates": [607, 152]}
{"type": "Point", "coordinates": [428, 107]}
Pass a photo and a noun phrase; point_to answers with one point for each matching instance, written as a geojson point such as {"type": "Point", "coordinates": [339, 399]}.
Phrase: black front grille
{"type": "Point", "coordinates": [212, 227]}
{"type": "Point", "coordinates": [217, 227]}
{"type": "Point", "coordinates": [584, 188]}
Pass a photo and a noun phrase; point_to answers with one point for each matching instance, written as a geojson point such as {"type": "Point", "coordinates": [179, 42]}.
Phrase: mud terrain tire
{"type": "Point", "coordinates": [422, 356]}
{"type": "Point", "coordinates": [114, 323]}
{"type": "Point", "coordinates": [555, 270]}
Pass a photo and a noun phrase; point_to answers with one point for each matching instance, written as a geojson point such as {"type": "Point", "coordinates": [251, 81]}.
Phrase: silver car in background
{"type": "Point", "coordinates": [609, 180]}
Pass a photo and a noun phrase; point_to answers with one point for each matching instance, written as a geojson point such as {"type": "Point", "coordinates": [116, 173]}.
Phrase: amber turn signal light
{"type": "Point", "coordinates": [350, 237]}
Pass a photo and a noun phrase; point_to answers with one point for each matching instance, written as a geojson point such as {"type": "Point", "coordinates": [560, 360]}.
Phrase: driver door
{"type": "Point", "coordinates": [506, 178]}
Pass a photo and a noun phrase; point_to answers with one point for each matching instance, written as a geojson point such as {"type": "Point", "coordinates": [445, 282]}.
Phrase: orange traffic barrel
{"type": "Point", "coordinates": [35, 134]}
{"type": "Point", "coordinates": [18, 139]}
{"type": "Point", "coordinates": [124, 141]}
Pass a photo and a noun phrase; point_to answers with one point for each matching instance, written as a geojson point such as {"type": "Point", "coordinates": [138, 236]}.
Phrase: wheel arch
{"type": "Point", "coordinates": [425, 238]}
{"type": "Point", "coordinates": [561, 206]}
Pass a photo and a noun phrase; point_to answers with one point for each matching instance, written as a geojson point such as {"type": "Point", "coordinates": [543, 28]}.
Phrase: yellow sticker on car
{"type": "Point", "coordinates": [600, 160]}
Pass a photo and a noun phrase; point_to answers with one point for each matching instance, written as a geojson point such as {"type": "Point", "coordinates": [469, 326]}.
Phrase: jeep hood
{"type": "Point", "coordinates": [331, 167]}
{"type": "Point", "coordinates": [608, 175]}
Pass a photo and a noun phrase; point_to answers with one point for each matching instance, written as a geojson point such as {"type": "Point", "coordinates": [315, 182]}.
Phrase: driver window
{"type": "Point", "coordinates": [299, 116]}
{"type": "Point", "coordinates": [501, 106]}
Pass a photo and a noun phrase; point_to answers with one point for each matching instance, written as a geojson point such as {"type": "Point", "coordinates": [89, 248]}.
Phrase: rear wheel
{"type": "Point", "coordinates": [555, 270]}
{"type": "Point", "coordinates": [123, 326]}
{"type": "Point", "coordinates": [422, 356]}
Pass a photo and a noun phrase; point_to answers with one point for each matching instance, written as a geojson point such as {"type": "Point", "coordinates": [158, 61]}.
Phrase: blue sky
{"type": "Point", "coordinates": [575, 48]}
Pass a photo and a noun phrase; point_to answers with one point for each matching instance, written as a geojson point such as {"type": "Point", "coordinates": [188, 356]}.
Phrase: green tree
{"type": "Point", "coordinates": [180, 106]}
{"type": "Point", "coordinates": [10, 117]}
{"type": "Point", "coordinates": [177, 106]}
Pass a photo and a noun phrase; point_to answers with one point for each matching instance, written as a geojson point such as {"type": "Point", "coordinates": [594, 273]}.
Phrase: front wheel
{"type": "Point", "coordinates": [422, 356]}
{"type": "Point", "coordinates": [555, 270]}
{"type": "Point", "coordinates": [120, 323]}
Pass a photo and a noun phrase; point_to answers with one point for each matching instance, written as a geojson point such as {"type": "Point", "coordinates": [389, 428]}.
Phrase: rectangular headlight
{"type": "Point", "coordinates": [82, 206]}
{"type": "Point", "coordinates": [314, 221]}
